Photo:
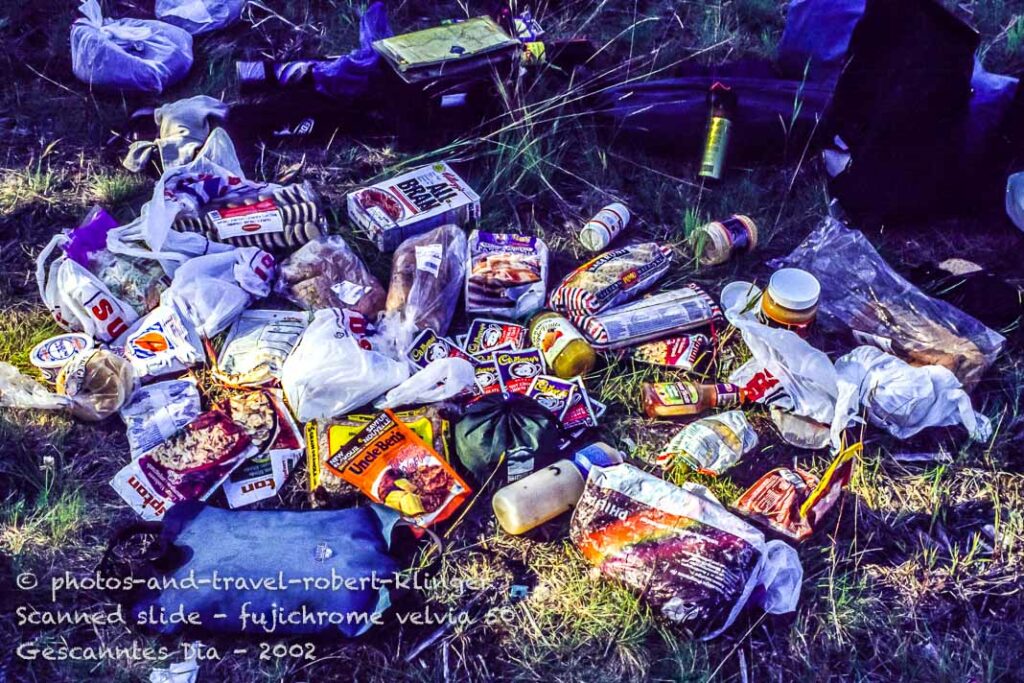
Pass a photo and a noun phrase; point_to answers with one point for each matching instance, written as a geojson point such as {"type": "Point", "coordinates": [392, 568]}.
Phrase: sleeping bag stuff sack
{"type": "Point", "coordinates": [133, 55]}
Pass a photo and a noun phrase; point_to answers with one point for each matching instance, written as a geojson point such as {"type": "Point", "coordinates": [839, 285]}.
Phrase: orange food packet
{"type": "Point", "coordinates": [392, 465]}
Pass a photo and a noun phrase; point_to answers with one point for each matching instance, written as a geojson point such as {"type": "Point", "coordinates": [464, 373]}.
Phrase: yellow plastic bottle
{"type": "Point", "coordinates": [539, 497]}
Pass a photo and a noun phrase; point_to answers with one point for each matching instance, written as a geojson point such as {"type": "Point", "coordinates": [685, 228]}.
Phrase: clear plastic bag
{"type": "Point", "coordinates": [137, 55]}
{"type": "Point", "coordinates": [863, 297]}
{"type": "Point", "coordinates": [427, 274]}
{"type": "Point", "coordinates": [199, 16]}
{"type": "Point", "coordinates": [334, 368]}
{"type": "Point", "coordinates": [326, 273]}
{"type": "Point", "coordinates": [18, 390]}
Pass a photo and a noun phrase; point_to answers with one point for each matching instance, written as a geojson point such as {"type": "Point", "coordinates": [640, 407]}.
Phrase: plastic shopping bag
{"type": "Point", "coordinates": [78, 300]}
{"type": "Point", "coordinates": [785, 371]}
{"type": "Point", "coordinates": [440, 380]}
{"type": "Point", "coordinates": [334, 369]}
{"type": "Point", "coordinates": [901, 398]}
{"type": "Point", "coordinates": [215, 172]}
{"type": "Point", "coordinates": [199, 16]}
{"type": "Point", "coordinates": [212, 291]}
{"type": "Point", "coordinates": [139, 55]}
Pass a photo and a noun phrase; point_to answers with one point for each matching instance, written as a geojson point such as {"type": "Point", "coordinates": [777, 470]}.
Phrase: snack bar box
{"type": "Point", "coordinates": [413, 203]}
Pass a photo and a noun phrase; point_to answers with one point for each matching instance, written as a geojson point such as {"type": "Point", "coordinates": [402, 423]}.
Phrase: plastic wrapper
{"type": "Point", "coordinates": [611, 279]}
{"type": "Point", "coordinates": [135, 55]}
{"type": "Point", "coordinates": [324, 438]}
{"type": "Point", "coordinates": [440, 380]}
{"type": "Point", "coordinates": [199, 16]}
{"type": "Point", "coordinates": [392, 465]}
{"type": "Point", "coordinates": [257, 346]}
{"type": "Point", "coordinates": [326, 273]}
{"type": "Point", "coordinates": [864, 298]}
{"type": "Point", "coordinates": [653, 317]}
{"type": "Point", "coordinates": [271, 217]}
{"type": "Point", "coordinates": [900, 398]}
{"type": "Point", "coordinates": [427, 348]}
{"type": "Point", "coordinates": [491, 335]}
{"type": "Point", "coordinates": [334, 369]}
{"type": "Point", "coordinates": [695, 561]}
{"type": "Point", "coordinates": [507, 274]}
{"type": "Point", "coordinates": [188, 466]}
{"type": "Point", "coordinates": [793, 502]}
{"type": "Point", "coordinates": [162, 343]}
{"type": "Point", "coordinates": [155, 412]}
{"type": "Point", "coordinates": [98, 384]}
{"type": "Point", "coordinates": [712, 444]}
{"type": "Point", "coordinates": [277, 438]}
{"type": "Point", "coordinates": [427, 273]}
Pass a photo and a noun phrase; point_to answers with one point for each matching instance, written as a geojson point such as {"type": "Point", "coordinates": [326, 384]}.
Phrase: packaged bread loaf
{"type": "Point", "coordinates": [326, 273]}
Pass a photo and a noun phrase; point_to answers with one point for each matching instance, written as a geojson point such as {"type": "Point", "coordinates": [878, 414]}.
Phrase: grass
{"type": "Point", "coordinates": [916, 576]}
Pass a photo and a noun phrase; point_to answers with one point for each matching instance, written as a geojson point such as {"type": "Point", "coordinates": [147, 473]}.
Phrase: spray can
{"type": "Point", "coordinates": [600, 230]}
{"type": "Point", "coordinates": [721, 109]}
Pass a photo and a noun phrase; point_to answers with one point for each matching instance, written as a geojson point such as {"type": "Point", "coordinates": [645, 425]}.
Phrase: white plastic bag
{"type": "Point", "coordinates": [901, 398]}
{"type": "Point", "coordinates": [78, 300]}
{"type": "Point", "coordinates": [199, 16]}
{"type": "Point", "coordinates": [441, 379]}
{"type": "Point", "coordinates": [162, 342]}
{"type": "Point", "coordinates": [334, 369]}
{"type": "Point", "coordinates": [215, 169]}
{"type": "Point", "coordinates": [139, 55]}
{"type": "Point", "coordinates": [212, 291]}
{"type": "Point", "coordinates": [785, 371]}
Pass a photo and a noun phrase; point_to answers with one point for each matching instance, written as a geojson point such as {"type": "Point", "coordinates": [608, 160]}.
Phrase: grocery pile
{"type": "Point", "coordinates": [242, 339]}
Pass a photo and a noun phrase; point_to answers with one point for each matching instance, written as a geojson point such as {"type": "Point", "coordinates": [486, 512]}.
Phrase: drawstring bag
{"type": "Point", "coordinates": [199, 16]}
{"type": "Point", "coordinates": [300, 572]}
{"type": "Point", "coordinates": [136, 55]}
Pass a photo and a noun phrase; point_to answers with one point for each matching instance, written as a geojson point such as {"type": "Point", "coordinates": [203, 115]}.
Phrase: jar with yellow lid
{"type": "Point", "coordinates": [566, 352]}
{"type": "Point", "coordinates": [791, 300]}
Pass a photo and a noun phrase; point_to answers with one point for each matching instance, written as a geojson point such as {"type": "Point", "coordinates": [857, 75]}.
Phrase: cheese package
{"type": "Point", "coordinates": [413, 203]}
{"type": "Point", "coordinates": [389, 463]}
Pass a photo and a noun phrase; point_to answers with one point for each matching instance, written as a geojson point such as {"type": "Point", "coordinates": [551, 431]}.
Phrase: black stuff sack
{"type": "Point", "coordinates": [522, 430]}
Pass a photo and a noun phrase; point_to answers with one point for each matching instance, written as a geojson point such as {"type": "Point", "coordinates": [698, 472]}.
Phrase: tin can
{"type": "Point", "coordinates": [722, 107]}
{"type": "Point", "coordinates": [719, 241]}
{"type": "Point", "coordinates": [600, 230]}
{"type": "Point", "coordinates": [50, 355]}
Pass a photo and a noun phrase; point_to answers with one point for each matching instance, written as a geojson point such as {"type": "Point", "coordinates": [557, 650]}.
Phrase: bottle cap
{"type": "Point", "coordinates": [794, 289]}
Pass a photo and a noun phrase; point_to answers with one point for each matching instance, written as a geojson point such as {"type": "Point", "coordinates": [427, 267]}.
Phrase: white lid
{"type": "Point", "coordinates": [594, 236]}
{"type": "Point", "coordinates": [56, 351]}
{"type": "Point", "coordinates": [739, 294]}
{"type": "Point", "coordinates": [794, 289]}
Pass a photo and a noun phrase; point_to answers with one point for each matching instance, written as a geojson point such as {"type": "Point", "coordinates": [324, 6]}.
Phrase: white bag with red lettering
{"type": "Point", "coordinates": [784, 370]}
{"type": "Point", "coordinates": [78, 300]}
